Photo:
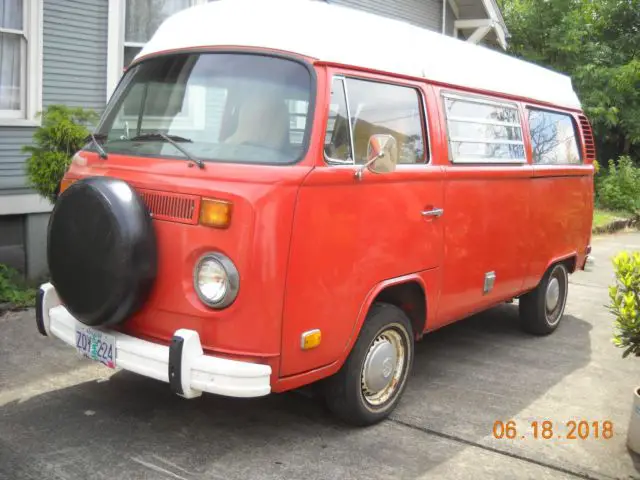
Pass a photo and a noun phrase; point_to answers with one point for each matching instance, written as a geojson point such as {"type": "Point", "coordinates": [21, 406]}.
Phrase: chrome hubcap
{"type": "Point", "coordinates": [553, 294]}
{"type": "Point", "coordinates": [378, 365]}
{"type": "Point", "coordinates": [383, 367]}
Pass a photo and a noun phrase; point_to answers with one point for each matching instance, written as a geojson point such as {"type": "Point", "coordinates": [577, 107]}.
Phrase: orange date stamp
{"type": "Point", "coordinates": [549, 430]}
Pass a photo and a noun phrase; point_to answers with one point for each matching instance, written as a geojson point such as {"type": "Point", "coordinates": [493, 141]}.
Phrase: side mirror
{"type": "Point", "coordinates": [382, 155]}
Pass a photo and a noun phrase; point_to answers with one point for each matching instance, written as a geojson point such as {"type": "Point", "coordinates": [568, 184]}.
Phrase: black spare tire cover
{"type": "Point", "coordinates": [101, 250]}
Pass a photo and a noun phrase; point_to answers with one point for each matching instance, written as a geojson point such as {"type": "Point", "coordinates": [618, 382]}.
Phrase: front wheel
{"type": "Point", "coordinates": [370, 383]}
{"type": "Point", "coordinates": [541, 309]}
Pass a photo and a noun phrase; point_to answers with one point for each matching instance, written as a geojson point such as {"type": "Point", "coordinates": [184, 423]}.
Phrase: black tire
{"type": "Point", "coordinates": [535, 316]}
{"type": "Point", "coordinates": [344, 392]}
{"type": "Point", "coordinates": [101, 250]}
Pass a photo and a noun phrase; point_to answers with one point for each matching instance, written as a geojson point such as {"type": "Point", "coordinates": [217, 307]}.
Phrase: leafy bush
{"type": "Point", "coordinates": [63, 132]}
{"type": "Point", "coordinates": [625, 302]}
{"type": "Point", "coordinates": [620, 188]}
{"type": "Point", "coordinates": [597, 182]}
{"type": "Point", "coordinates": [13, 290]}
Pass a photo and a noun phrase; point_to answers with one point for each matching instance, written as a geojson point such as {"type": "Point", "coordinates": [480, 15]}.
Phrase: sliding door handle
{"type": "Point", "coordinates": [436, 212]}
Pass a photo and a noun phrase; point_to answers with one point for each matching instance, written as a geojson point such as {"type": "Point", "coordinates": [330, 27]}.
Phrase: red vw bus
{"type": "Point", "coordinates": [264, 205]}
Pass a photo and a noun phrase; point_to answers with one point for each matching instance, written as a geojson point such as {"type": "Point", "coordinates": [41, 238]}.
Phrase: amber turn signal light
{"type": "Point", "coordinates": [310, 339]}
{"type": "Point", "coordinates": [215, 213]}
{"type": "Point", "coordinates": [65, 183]}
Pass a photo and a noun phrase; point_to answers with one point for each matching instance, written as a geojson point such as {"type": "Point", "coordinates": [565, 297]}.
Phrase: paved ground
{"type": "Point", "coordinates": [64, 418]}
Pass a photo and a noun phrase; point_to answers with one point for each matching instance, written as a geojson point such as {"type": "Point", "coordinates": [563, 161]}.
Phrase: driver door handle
{"type": "Point", "coordinates": [435, 212]}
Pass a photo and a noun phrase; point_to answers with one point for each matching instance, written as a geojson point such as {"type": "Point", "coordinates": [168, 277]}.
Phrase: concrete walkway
{"type": "Point", "coordinates": [65, 418]}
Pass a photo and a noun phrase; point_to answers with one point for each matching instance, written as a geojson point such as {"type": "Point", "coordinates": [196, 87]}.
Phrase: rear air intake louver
{"type": "Point", "coordinates": [174, 207]}
{"type": "Point", "coordinates": [589, 144]}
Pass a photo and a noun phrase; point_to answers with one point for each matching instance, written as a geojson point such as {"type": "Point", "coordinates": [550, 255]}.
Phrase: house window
{"type": "Point", "coordinates": [132, 23]}
{"type": "Point", "coordinates": [142, 19]}
{"type": "Point", "coordinates": [553, 138]}
{"type": "Point", "coordinates": [298, 110]}
{"type": "Point", "coordinates": [19, 68]}
{"type": "Point", "coordinates": [483, 131]}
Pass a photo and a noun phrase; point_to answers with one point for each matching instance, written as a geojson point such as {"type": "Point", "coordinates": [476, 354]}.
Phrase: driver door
{"type": "Point", "coordinates": [351, 232]}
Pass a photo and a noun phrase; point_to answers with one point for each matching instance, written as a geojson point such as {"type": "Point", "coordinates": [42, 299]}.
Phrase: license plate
{"type": "Point", "coordinates": [96, 345]}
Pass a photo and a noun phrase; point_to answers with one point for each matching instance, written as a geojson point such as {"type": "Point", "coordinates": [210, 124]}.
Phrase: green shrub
{"type": "Point", "coordinates": [620, 188]}
{"type": "Point", "coordinates": [13, 290]}
{"type": "Point", "coordinates": [625, 302]}
{"type": "Point", "coordinates": [63, 133]}
{"type": "Point", "coordinates": [597, 182]}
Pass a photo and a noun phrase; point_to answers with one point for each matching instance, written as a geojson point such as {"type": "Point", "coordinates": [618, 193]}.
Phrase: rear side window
{"type": "Point", "coordinates": [373, 108]}
{"type": "Point", "coordinates": [553, 138]}
{"type": "Point", "coordinates": [483, 131]}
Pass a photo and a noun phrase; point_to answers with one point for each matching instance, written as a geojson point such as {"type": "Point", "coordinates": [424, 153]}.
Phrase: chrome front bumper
{"type": "Point", "coordinates": [183, 364]}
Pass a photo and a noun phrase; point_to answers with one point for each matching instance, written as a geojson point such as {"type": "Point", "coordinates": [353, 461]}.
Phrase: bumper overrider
{"type": "Point", "coordinates": [183, 364]}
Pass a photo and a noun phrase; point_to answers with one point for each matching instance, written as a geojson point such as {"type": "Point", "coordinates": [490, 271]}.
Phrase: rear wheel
{"type": "Point", "coordinates": [370, 383]}
{"type": "Point", "coordinates": [542, 309]}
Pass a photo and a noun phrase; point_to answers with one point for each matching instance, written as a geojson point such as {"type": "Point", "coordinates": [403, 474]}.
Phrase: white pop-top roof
{"type": "Point", "coordinates": [337, 34]}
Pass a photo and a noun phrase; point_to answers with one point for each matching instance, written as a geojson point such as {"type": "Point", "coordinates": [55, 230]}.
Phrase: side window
{"type": "Point", "coordinates": [483, 131]}
{"type": "Point", "coordinates": [553, 138]}
{"type": "Point", "coordinates": [380, 108]}
{"type": "Point", "coordinates": [337, 142]}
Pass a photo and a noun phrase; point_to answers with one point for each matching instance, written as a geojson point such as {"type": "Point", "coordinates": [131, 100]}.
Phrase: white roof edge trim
{"type": "Point", "coordinates": [360, 39]}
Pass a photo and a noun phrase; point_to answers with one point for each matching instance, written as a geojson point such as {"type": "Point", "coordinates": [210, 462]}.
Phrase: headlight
{"type": "Point", "coordinates": [216, 280]}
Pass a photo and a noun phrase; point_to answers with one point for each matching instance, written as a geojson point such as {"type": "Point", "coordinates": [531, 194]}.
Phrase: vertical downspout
{"type": "Point", "coordinates": [444, 17]}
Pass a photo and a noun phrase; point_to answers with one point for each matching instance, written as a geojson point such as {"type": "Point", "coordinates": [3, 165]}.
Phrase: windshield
{"type": "Point", "coordinates": [219, 107]}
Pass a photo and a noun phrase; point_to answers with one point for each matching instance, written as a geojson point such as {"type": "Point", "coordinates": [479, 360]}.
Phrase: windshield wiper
{"type": "Point", "coordinates": [173, 140]}
{"type": "Point", "coordinates": [159, 135]}
{"type": "Point", "coordinates": [94, 140]}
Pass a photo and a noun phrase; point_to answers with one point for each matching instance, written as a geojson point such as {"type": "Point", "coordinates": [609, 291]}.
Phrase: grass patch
{"type": "Point", "coordinates": [603, 217]}
{"type": "Point", "coordinates": [14, 290]}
